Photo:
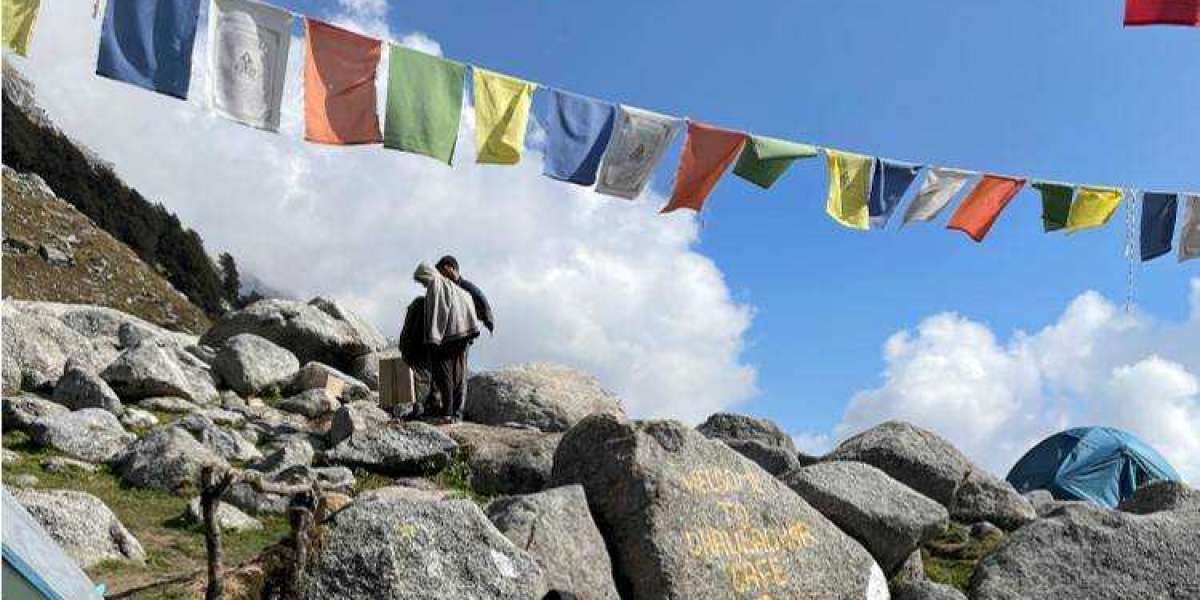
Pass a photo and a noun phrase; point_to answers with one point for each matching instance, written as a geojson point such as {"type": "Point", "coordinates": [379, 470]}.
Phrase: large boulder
{"type": "Point", "coordinates": [356, 416]}
{"type": "Point", "coordinates": [887, 517]}
{"type": "Point", "coordinates": [22, 410]}
{"type": "Point", "coordinates": [1162, 495]}
{"type": "Point", "coordinates": [152, 368]}
{"type": "Point", "coordinates": [1085, 551]}
{"type": "Point", "coordinates": [250, 364]}
{"type": "Point", "coordinates": [168, 459]}
{"type": "Point", "coordinates": [320, 330]}
{"type": "Point", "coordinates": [315, 375]}
{"type": "Point", "coordinates": [82, 524]}
{"type": "Point", "coordinates": [687, 517]}
{"type": "Point", "coordinates": [310, 403]}
{"type": "Point", "coordinates": [92, 434]}
{"type": "Point", "coordinates": [505, 460]}
{"type": "Point", "coordinates": [400, 448]}
{"type": "Point", "coordinates": [929, 464]}
{"type": "Point", "coordinates": [80, 387]}
{"type": "Point", "coordinates": [545, 396]}
{"type": "Point", "coordinates": [925, 590]}
{"type": "Point", "coordinates": [557, 529]}
{"type": "Point", "coordinates": [403, 546]}
{"type": "Point", "coordinates": [760, 440]}
{"type": "Point", "coordinates": [228, 445]}
{"type": "Point", "coordinates": [286, 452]}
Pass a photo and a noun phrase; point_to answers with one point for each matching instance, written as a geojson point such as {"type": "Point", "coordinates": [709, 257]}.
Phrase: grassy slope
{"type": "Point", "coordinates": [106, 272]}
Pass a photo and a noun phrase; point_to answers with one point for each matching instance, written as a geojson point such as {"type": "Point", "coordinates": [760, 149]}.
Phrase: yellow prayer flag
{"type": "Point", "coordinates": [849, 184]}
{"type": "Point", "coordinates": [1093, 207]}
{"type": "Point", "coordinates": [17, 27]}
{"type": "Point", "coordinates": [501, 114]}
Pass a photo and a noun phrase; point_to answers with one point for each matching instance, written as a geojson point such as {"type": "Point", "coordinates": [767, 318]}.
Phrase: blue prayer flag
{"type": "Point", "coordinates": [1158, 223]}
{"type": "Point", "coordinates": [148, 43]}
{"type": "Point", "coordinates": [577, 132]}
{"type": "Point", "coordinates": [888, 185]}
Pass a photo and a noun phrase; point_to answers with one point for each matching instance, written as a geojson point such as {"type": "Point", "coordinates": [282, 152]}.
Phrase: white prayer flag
{"type": "Point", "coordinates": [639, 140]}
{"type": "Point", "coordinates": [1189, 235]}
{"type": "Point", "coordinates": [940, 186]}
{"type": "Point", "coordinates": [248, 53]}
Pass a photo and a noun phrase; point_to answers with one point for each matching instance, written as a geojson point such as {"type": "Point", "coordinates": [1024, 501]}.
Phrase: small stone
{"type": "Point", "coordinates": [229, 518]}
{"type": "Point", "coordinates": [168, 404]}
{"type": "Point", "coordinates": [24, 480]}
{"type": "Point", "coordinates": [136, 418]}
{"type": "Point", "coordinates": [310, 403]}
{"type": "Point", "coordinates": [62, 464]}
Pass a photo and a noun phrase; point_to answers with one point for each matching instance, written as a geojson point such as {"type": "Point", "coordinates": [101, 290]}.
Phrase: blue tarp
{"type": "Point", "coordinates": [148, 43]}
{"type": "Point", "coordinates": [577, 132]}
{"type": "Point", "coordinates": [1099, 464]}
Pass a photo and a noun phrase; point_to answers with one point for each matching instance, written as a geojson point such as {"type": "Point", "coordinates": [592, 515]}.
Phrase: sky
{"type": "Point", "coordinates": [762, 305]}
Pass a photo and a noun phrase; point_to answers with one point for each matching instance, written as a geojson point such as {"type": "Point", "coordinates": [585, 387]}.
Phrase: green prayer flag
{"type": "Point", "coordinates": [1056, 203]}
{"type": "Point", "coordinates": [764, 159]}
{"type": "Point", "coordinates": [424, 103]}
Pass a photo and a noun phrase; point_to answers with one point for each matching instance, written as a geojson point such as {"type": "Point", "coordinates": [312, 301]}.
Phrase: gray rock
{"type": "Point", "coordinates": [285, 453]}
{"type": "Point", "coordinates": [21, 411]}
{"type": "Point", "coordinates": [315, 375]}
{"type": "Point", "coordinates": [251, 364]}
{"type": "Point", "coordinates": [1158, 496]}
{"type": "Point", "coordinates": [913, 568]}
{"type": "Point", "coordinates": [229, 518]}
{"type": "Point", "coordinates": [168, 404]}
{"type": "Point", "coordinates": [401, 448]}
{"type": "Point", "coordinates": [1041, 500]}
{"type": "Point", "coordinates": [365, 368]}
{"type": "Point", "coordinates": [309, 332]}
{"type": "Point", "coordinates": [56, 255]}
{"type": "Point", "coordinates": [221, 416]}
{"type": "Point", "coordinates": [244, 495]}
{"type": "Point", "coordinates": [24, 480]}
{"type": "Point", "coordinates": [168, 459]}
{"type": "Point", "coordinates": [312, 404]}
{"type": "Point", "coordinates": [38, 344]}
{"type": "Point", "coordinates": [62, 464]}
{"type": "Point", "coordinates": [152, 368]}
{"type": "Point", "coordinates": [227, 445]}
{"type": "Point", "coordinates": [92, 434]}
{"type": "Point", "coordinates": [686, 517]}
{"type": "Point", "coordinates": [983, 497]}
{"type": "Point", "coordinates": [546, 396]}
{"type": "Point", "coordinates": [760, 440]}
{"type": "Point", "coordinates": [556, 528]}
{"type": "Point", "coordinates": [1084, 551]}
{"type": "Point", "coordinates": [136, 418]}
{"type": "Point", "coordinates": [82, 524]}
{"type": "Point", "coordinates": [362, 328]}
{"type": "Point", "coordinates": [400, 547]}
{"type": "Point", "coordinates": [929, 464]}
{"type": "Point", "coordinates": [984, 529]}
{"type": "Point", "coordinates": [356, 416]}
{"type": "Point", "coordinates": [504, 460]}
{"type": "Point", "coordinates": [80, 387]}
{"type": "Point", "coordinates": [10, 457]}
{"type": "Point", "coordinates": [885, 516]}
{"type": "Point", "coordinates": [925, 590]}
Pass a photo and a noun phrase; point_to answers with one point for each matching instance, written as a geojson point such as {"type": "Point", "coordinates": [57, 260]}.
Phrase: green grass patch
{"type": "Point", "coordinates": [951, 557]}
{"type": "Point", "coordinates": [456, 477]}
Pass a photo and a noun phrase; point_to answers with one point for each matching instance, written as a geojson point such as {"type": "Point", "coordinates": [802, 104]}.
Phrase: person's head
{"type": "Point", "coordinates": [448, 267]}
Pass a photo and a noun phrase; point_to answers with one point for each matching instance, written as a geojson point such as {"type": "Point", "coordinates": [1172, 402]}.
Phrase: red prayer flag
{"type": "Point", "coordinates": [339, 85]}
{"type": "Point", "coordinates": [1162, 12]}
{"type": "Point", "coordinates": [707, 153]}
{"type": "Point", "coordinates": [980, 208]}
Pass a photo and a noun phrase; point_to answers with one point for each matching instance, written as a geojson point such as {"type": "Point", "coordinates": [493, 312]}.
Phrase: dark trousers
{"type": "Point", "coordinates": [449, 376]}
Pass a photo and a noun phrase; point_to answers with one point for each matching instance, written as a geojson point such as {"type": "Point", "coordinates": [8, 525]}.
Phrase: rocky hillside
{"type": "Point", "coordinates": [53, 252]}
{"type": "Point", "coordinates": [549, 486]}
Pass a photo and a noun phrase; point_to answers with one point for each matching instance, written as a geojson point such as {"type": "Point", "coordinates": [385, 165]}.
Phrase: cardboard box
{"type": "Point", "coordinates": [396, 384]}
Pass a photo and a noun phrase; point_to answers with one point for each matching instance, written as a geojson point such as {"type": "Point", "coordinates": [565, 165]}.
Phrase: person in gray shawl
{"type": "Point", "coordinates": [451, 324]}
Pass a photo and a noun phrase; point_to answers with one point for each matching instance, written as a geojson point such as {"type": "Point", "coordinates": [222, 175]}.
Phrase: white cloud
{"type": "Point", "coordinates": [1096, 365]}
{"type": "Point", "coordinates": [601, 284]}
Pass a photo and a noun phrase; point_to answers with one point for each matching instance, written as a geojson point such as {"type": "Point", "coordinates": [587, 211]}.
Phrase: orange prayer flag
{"type": "Point", "coordinates": [339, 85]}
{"type": "Point", "coordinates": [707, 153]}
{"type": "Point", "coordinates": [980, 208]}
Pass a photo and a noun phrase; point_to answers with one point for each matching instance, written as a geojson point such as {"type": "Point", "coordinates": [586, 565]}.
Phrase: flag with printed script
{"type": "Point", "coordinates": [148, 43]}
{"type": "Point", "coordinates": [19, 17]}
{"type": "Point", "coordinates": [501, 115]}
{"type": "Point", "coordinates": [577, 132]}
{"type": "Point", "coordinates": [247, 61]}
{"type": "Point", "coordinates": [764, 160]}
{"type": "Point", "coordinates": [1056, 203]}
{"type": "Point", "coordinates": [424, 103]}
{"type": "Point", "coordinates": [940, 186]}
{"type": "Point", "coordinates": [1158, 223]}
{"type": "Point", "coordinates": [1162, 12]}
{"type": "Point", "coordinates": [849, 186]}
{"type": "Point", "coordinates": [980, 209]}
{"type": "Point", "coordinates": [1189, 234]}
{"type": "Point", "coordinates": [888, 184]}
{"type": "Point", "coordinates": [1093, 207]}
{"type": "Point", "coordinates": [339, 85]}
{"type": "Point", "coordinates": [639, 140]}
{"type": "Point", "coordinates": [707, 153]}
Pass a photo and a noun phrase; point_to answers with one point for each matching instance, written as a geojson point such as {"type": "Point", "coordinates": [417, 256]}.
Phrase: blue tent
{"type": "Point", "coordinates": [1099, 464]}
{"type": "Point", "coordinates": [36, 568]}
